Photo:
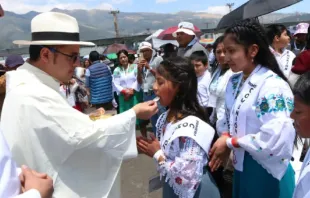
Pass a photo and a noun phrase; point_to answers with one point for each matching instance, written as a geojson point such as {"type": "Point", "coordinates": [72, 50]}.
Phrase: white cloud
{"type": "Point", "coordinates": [217, 10]}
{"type": "Point", "coordinates": [165, 1]}
{"type": "Point", "coordinates": [24, 6]}
{"type": "Point", "coordinates": [105, 6]}
{"type": "Point", "coordinates": [120, 1]}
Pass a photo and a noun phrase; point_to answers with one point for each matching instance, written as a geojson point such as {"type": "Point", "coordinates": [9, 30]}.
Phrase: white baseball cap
{"type": "Point", "coordinates": [145, 45]}
{"type": "Point", "coordinates": [186, 27]}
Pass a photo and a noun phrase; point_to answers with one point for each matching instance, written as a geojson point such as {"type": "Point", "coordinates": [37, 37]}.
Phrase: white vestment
{"type": "Point", "coordinates": [45, 133]}
{"type": "Point", "coordinates": [9, 181]}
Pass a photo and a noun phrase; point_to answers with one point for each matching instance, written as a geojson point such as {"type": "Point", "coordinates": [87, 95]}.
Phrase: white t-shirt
{"type": "Point", "coordinates": [203, 88]}
{"type": "Point", "coordinates": [285, 60]}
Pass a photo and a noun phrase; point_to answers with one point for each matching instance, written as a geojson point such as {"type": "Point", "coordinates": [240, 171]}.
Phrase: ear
{"type": "Point", "coordinates": [253, 50]}
{"type": "Point", "coordinates": [276, 38]}
{"type": "Point", "coordinates": [44, 54]}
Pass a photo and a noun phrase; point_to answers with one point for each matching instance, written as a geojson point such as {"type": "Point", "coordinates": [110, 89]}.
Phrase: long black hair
{"type": "Point", "coordinates": [181, 72]}
{"type": "Point", "coordinates": [273, 31]}
{"type": "Point", "coordinates": [249, 32]}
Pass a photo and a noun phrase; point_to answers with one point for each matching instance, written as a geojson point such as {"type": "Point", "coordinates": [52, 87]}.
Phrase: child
{"type": "Point", "coordinates": [183, 138]}
{"type": "Point", "coordinates": [200, 62]}
{"type": "Point", "coordinates": [301, 116]}
{"type": "Point", "coordinates": [279, 40]}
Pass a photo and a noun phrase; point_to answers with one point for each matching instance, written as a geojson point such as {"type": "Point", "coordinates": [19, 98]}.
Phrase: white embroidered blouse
{"type": "Point", "coordinates": [268, 129]}
{"type": "Point", "coordinates": [185, 160]}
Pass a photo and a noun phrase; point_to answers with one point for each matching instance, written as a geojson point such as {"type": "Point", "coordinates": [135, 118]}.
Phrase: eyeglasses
{"type": "Point", "coordinates": [74, 57]}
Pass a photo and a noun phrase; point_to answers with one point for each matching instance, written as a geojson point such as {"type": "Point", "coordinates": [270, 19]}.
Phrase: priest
{"type": "Point", "coordinates": [83, 157]}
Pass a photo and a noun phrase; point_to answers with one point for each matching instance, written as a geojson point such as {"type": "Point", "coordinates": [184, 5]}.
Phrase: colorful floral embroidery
{"type": "Point", "coordinates": [283, 160]}
{"type": "Point", "coordinates": [235, 81]}
{"type": "Point", "coordinates": [273, 103]}
{"type": "Point", "coordinates": [178, 180]}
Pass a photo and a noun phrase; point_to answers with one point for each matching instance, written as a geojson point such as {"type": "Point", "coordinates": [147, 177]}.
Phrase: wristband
{"type": "Point", "coordinates": [229, 143]}
{"type": "Point", "coordinates": [232, 143]}
{"type": "Point", "coordinates": [157, 155]}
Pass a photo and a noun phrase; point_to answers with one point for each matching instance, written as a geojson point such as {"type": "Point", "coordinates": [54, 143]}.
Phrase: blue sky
{"type": "Point", "coordinates": [161, 6]}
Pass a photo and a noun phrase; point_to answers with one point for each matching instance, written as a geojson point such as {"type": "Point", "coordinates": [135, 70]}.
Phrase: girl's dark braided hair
{"type": "Point", "coordinates": [180, 72]}
{"type": "Point", "coordinates": [249, 32]}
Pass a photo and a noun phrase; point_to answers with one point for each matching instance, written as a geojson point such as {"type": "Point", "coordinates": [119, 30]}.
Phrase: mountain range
{"type": "Point", "coordinates": [97, 24]}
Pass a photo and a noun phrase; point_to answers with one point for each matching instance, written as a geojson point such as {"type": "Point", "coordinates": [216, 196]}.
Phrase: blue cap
{"type": "Point", "coordinates": [14, 60]}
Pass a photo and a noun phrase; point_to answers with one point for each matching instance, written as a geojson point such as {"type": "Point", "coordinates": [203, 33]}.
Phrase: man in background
{"type": "Point", "coordinates": [99, 81]}
{"type": "Point", "coordinates": [146, 78]}
{"type": "Point", "coordinates": [298, 44]}
{"type": "Point", "coordinates": [188, 42]}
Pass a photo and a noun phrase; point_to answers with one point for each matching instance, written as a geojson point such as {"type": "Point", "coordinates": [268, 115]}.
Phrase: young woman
{"type": "Point", "coordinates": [86, 64]}
{"type": "Point", "coordinates": [219, 82]}
{"type": "Point", "coordinates": [278, 40]}
{"type": "Point", "coordinates": [257, 124]}
{"type": "Point", "coordinates": [301, 116]}
{"type": "Point", "coordinates": [183, 137]}
{"type": "Point", "coordinates": [68, 90]}
{"type": "Point", "coordinates": [126, 84]}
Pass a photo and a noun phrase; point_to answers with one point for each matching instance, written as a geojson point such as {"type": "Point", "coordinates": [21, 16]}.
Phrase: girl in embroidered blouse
{"type": "Point", "coordinates": [257, 124]}
{"type": "Point", "coordinates": [183, 138]}
{"type": "Point", "coordinates": [219, 82]}
{"type": "Point", "coordinates": [301, 116]}
{"type": "Point", "coordinates": [279, 39]}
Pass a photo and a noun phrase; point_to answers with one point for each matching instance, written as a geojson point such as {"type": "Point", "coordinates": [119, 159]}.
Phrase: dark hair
{"type": "Point", "coordinates": [122, 52]}
{"type": "Point", "coordinates": [94, 56]}
{"type": "Point", "coordinates": [180, 72]}
{"type": "Point", "coordinates": [302, 88]}
{"type": "Point", "coordinates": [273, 31]}
{"type": "Point", "coordinates": [209, 46]}
{"type": "Point", "coordinates": [249, 32]}
{"type": "Point", "coordinates": [217, 42]}
{"type": "Point", "coordinates": [199, 56]}
{"type": "Point", "coordinates": [34, 52]}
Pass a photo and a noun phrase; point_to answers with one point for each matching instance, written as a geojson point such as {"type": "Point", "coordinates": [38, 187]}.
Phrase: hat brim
{"type": "Point", "coordinates": [186, 31]}
{"type": "Point", "coordinates": [145, 47]}
{"type": "Point", "coordinates": [23, 42]}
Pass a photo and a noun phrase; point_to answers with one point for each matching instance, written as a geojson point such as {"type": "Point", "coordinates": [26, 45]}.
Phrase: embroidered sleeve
{"type": "Point", "coordinates": [184, 173]}
{"type": "Point", "coordinates": [272, 146]}
{"type": "Point", "coordinates": [117, 80]}
{"type": "Point", "coordinates": [222, 123]}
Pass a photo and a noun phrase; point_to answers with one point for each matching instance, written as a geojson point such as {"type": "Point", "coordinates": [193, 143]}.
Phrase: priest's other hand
{"type": "Point", "coordinates": [146, 110]}
{"type": "Point", "coordinates": [39, 181]}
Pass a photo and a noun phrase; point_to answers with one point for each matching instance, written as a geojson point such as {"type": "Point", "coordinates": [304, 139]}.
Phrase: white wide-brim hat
{"type": "Point", "coordinates": [53, 28]}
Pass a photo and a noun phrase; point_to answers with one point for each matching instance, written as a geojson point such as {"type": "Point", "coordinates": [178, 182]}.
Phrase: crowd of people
{"type": "Point", "coordinates": [239, 107]}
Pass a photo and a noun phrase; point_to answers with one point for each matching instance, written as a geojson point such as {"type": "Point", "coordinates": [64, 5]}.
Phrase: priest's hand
{"type": "Point", "coordinates": [33, 180]}
{"type": "Point", "coordinates": [148, 147]}
{"type": "Point", "coordinates": [146, 110]}
{"type": "Point", "coordinates": [219, 153]}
